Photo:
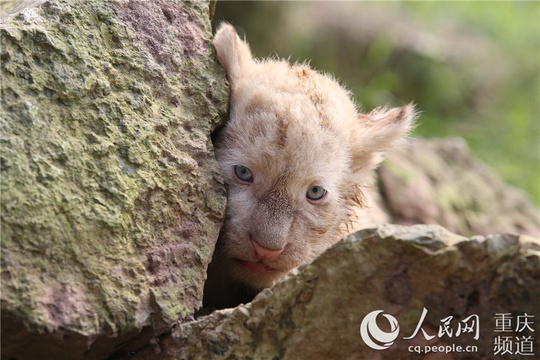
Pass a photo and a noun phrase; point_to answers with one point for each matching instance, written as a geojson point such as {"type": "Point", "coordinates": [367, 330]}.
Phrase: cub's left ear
{"type": "Point", "coordinates": [379, 131]}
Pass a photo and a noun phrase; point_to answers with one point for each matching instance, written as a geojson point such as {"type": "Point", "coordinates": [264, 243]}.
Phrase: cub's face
{"type": "Point", "coordinates": [287, 177]}
{"type": "Point", "coordinates": [295, 154]}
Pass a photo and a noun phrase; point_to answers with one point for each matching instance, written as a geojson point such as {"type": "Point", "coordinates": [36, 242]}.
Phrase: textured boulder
{"type": "Point", "coordinates": [317, 313]}
{"type": "Point", "coordinates": [439, 181]}
{"type": "Point", "coordinates": [111, 197]}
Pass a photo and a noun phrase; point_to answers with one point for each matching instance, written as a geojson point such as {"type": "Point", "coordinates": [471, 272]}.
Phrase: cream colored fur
{"type": "Point", "coordinates": [293, 128]}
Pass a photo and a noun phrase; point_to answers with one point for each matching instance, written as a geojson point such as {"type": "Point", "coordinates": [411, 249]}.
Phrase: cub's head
{"type": "Point", "coordinates": [296, 155]}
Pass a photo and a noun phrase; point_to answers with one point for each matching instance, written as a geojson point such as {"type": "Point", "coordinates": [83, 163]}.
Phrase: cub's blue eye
{"type": "Point", "coordinates": [316, 193]}
{"type": "Point", "coordinates": [243, 173]}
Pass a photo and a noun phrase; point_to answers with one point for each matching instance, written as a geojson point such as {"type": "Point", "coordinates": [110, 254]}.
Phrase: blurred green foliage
{"type": "Point", "coordinates": [472, 68]}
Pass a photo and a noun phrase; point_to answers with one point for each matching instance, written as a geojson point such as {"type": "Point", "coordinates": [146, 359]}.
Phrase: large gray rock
{"type": "Point", "coordinates": [317, 312]}
{"type": "Point", "coordinates": [111, 196]}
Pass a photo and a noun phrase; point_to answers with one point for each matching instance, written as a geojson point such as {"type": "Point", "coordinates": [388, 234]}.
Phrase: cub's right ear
{"type": "Point", "coordinates": [233, 54]}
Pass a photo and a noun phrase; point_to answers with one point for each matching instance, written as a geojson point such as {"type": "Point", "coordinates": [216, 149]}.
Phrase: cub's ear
{"type": "Point", "coordinates": [379, 131]}
{"type": "Point", "coordinates": [233, 54]}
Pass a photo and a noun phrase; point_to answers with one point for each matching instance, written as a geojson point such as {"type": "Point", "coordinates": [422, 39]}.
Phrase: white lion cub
{"type": "Point", "coordinates": [298, 159]}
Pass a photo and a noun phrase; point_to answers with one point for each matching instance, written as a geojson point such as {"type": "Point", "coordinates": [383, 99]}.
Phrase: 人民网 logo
{"type": "Point", "coordinates": [514, 333]}
{"type": "Point", "coordinates": [373, 336]}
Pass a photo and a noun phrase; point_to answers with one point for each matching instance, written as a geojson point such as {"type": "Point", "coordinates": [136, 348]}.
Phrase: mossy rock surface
{"type": "Point", "coordinates": [111, 197]}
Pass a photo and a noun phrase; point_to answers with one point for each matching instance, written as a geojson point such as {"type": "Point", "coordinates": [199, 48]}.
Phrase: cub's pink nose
{"type": "Point", "coordinates": [264, 253]}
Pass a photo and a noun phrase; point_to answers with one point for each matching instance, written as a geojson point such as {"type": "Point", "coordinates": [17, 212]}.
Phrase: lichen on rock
{"type": "Point", "coordinates": [111, 196]}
